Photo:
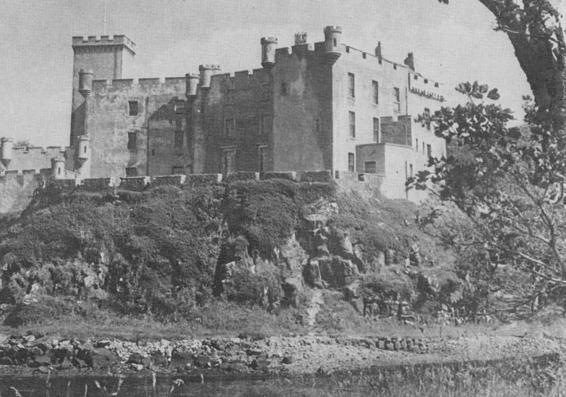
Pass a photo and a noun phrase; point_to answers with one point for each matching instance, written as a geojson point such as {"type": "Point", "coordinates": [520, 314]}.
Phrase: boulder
{"type": "Point", "coordinates": [101, 359]}
{"type": "Point", "coordinates": [291, 288]}
{"type": "Point", "coordinates": [337, 271]}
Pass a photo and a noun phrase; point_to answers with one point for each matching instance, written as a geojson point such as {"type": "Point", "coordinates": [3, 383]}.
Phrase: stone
{"type": "Point", "coordinates": [101, 359]}
{"type": "Point", "coordinates": [135, 358]}
{"type": "Point", "coordinates": [287, 360]}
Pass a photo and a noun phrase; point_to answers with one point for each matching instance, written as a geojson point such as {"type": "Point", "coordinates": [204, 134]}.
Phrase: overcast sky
{"type": "Point", "coordinates": [451, 44]}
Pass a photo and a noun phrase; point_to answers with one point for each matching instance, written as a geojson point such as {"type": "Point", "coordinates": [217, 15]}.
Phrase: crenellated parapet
{"type": "Point", "coordinates": [17, 158]}
{"type": "Point", "coordinates": [149, 86]}
{"type": "Point", "coordinates": [85, 43]}
{"type": "Point", "coordinates": [424, 87]}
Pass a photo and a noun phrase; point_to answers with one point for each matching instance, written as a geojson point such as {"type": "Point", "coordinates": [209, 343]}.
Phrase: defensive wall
{"type": "Point", "coordinates": [18, 187]}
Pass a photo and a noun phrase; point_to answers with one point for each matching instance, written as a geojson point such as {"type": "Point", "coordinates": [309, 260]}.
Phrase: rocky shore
{"type": "Point", "coordinates": [252, 355]}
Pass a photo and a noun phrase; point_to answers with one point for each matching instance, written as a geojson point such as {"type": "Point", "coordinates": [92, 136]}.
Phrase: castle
{"type": "Point", "coordinates": [315, 106]}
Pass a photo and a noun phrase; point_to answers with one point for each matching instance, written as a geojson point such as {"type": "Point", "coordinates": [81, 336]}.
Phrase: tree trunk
{"type": "Point", "coordinates": [535, 31]}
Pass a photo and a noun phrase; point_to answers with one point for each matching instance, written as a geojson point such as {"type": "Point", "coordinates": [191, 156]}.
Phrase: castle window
{"type": "Point", "coordinates": [351, 85]}
{"type": "Point", "coordinates": [179, 106]}
{"type": "Point", "coordinates": [351, 162]}
{"type": "Point", "coordinates": [417, 144]}
{"type": "Point", "coordinates": [178, 170]}
{"type": "Point", "coordinates": [335, 42]}
{"type": "Point", "coordinates": [317, 125]}
{"type": "Point", "coordinates": [428, 151]}
{"type": "Point", "coordinates": [132, 140]}
{"type": "Point", "coordinates": [375, 86]}
{"type": "Point", "coordinates": [228, 161]}
{"type": "Point", "coordinates": [284, 88]}
{"type": "Point", "coordinates": [410, 170]}
{"type": "Point", "coordinates": [262, 157]}
{"type": "Point", "coordinates": [178, 141]}
{"type": "Point", "coordinates": [427, 114]}
{"type": "Point", "coordinates": [370, 167]}
{"type": "Point", "coordinates": [229, 128]}
{"type": "Point", "coordinates": [396, 100]}
{"type": "Point", "coordinates": [133, 108]}
{"type": "Point", "coordinates": [264, 124]}
{"type": "Point", "coordinates": [376, 130]}
{"type": "Point", "coordinates": [424, 147]}
{"type": "Point", "coordinates": [352, 119]}
{"type": "Point", "coordinates": [131, 171]}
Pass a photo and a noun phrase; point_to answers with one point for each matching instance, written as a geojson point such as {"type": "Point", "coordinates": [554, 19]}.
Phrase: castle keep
{"type": "Point", "coordinates": [314, 106]}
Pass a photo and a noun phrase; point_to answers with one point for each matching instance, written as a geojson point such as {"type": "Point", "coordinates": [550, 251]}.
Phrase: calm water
{"type": "Point", "coordinates": [502, 378]}
{"type": "Point", "coordinates": [141, 387]}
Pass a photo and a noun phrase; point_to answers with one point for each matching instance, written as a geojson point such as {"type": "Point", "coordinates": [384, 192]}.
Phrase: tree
{"type": "Point", "coordinates": [535, 31]}
{"type": "Point", "coordinates": [509, 184]}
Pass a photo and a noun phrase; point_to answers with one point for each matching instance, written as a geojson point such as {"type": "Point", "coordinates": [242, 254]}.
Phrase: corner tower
{"type": "Point", "coordinates": [108, 57]}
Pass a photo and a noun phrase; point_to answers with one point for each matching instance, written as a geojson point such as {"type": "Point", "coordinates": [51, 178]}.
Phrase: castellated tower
{"type": "Point", "coordinates": [108, 58]}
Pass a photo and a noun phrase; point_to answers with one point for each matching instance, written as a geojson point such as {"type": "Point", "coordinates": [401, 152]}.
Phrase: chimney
{"type": "Point", "coordinates": [410, 61]}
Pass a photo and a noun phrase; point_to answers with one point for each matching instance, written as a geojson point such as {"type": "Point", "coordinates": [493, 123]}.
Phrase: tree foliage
{"type": "Point", "coordinates": [508, 182]}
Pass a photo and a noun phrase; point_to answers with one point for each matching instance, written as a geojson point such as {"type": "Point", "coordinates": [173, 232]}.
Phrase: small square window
{"type": "Point", "coordinates": [133, 108]}
{"type": "Point", "coordinates": [178, 170]}
{"type": "Point", "coordinates": [131, 171]}
{"type": "Point", "coordinates": [179, 107]}
{"type": "Point", "coordinates": [370, 167]}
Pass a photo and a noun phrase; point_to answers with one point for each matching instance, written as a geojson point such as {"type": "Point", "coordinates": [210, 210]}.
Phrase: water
{"type": "Point", "coordinates": [504, 377]}
{"type": "Point", "coordinates": [141, 387]}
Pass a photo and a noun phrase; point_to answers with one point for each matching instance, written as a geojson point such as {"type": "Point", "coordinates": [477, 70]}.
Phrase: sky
{"type": "Point", "coordinates": [451, 44]}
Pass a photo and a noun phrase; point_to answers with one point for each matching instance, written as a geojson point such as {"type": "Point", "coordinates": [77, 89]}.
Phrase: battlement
{"type": "Point", "coordinates": [92, 41]}
{"type": "Point", "coordinates": [145, 84]}
{"type": "Point", "coordinates": [241, 79]}
{"type": "Point", "coordinates": [32, 157]}
{"type": "Point", "coordinates": [422, 86]}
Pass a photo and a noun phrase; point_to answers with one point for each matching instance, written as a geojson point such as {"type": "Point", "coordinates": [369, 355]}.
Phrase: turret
{"type": "Point", "coordinates": [206, 72]}
{"type": "Point", "coordinates": [410, 61]}
{"type": "Point", "coordinates": [268, 47]}
{"type": "Point", "coordinates": [332, 42]}
{"type": "Point", "coordinates": [192, 81]}
{"type": "Point", "coordinates": [83, 149]}
{"type": "Point", "coordinates": [58, 167]}
{"type": "Point", "coordinates": [6, 151]}
{"type": "Point", "coordinates": [85, 82]}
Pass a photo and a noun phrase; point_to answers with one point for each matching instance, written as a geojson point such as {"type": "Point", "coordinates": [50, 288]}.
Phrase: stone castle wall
{"type": "Point", "coordinates": [17, 188]}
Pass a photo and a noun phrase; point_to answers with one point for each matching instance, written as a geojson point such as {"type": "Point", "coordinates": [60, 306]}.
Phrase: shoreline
{"type": "Point", "coordinates": [259, 358]}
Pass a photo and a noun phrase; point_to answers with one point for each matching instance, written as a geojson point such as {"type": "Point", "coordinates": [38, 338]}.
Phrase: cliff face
{"type": "Point", "coordinates": [167, 250]}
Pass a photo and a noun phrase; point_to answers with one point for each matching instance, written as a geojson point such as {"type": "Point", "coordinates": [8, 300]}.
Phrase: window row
{"type": "Point", "coordinates": [178, 140]}
{"type": "Point", "coordinates": [228, 160]}
{"type": "Point", "coordinates": [426, 147]}
{"type": "Point", "coordinates": [134, 107]}
{"type": "Point", "coordinates": [375, 125]}
{"type": "Point", "coordinates": [374, 92]}
{"type": "Point", "coordinates": [233, 124]}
